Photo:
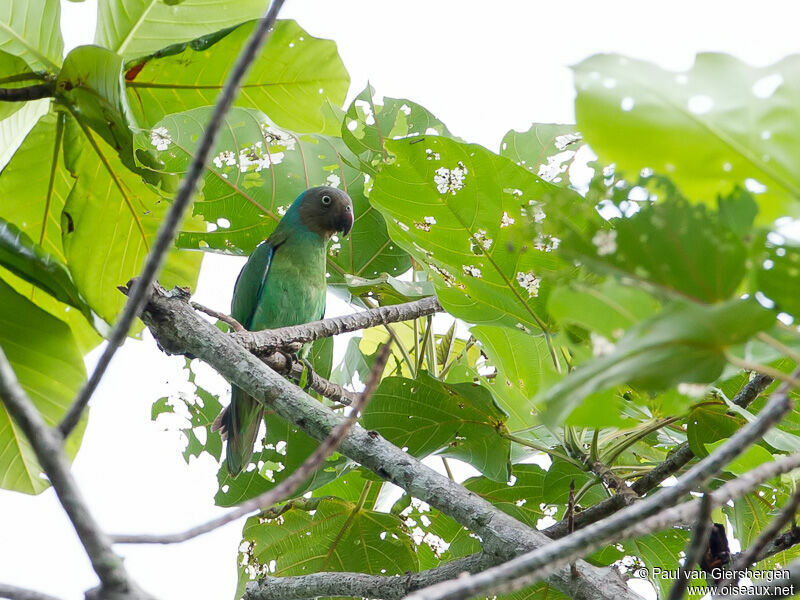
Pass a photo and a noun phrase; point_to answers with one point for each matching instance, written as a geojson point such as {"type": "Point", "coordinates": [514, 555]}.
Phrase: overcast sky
{"type": "Point", "coordinates": [483, 68]}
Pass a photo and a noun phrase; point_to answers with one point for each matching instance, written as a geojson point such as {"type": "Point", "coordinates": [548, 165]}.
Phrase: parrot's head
{"type": "Point", "coordinates": [326, 210]}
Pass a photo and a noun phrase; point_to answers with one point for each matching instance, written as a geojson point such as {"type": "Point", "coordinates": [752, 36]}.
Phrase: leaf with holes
{"type": "Point", "coordinates": [462, 213]}
{"type": "Point", "coordinates": [546, 149]}
{"type": "Point", "coordinates": [109, 222]}
{"type": "Point", "coordinates": [428, 416]}
{"type": "Point", "coordinates": [256, 172]}
{"type": "Point", "coordinates": [685, 342]}
{"type": "Point", "coordinates": [336, 536]}
{"type": "Point", "coordinates": [670, 246]}
{"type": "Point", "coordinates": [293, 81]}
{"type": "Point", "coordinates": [369, 122]}
{"type": "Point", "coordinates": [720, 124]}
{"type": "Point", "coordinates": [138, 27]}
{"type": "Point", "coordinates": [31, 29]}
{"type": "Point", "coordinates": [50, 369]}
{"type": "Point", "coordinates": [385, 288]}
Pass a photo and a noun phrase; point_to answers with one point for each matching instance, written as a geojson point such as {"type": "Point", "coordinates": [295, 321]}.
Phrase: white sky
{"type": "Point", "coordinates": [483, 68]}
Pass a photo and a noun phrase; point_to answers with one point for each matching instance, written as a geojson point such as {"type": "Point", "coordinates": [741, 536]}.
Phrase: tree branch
{"type": "Point", "coordinates": [13, 592]}
{"type": "Point", "coordinates": [169, 227]}
{"type": "Point", "coordinates": [49, 449]}
{"type": "Point", "coordinates": [536, 564]}
{"type": "Point", "coordinates": [361, 585]}
{"type": "Point", "coordinates": [269, 340]}
{"type": "Point", "coordinates": [30, 92]}
{"type": "Point", "coordinates": [286, 487]}
{"type": "Point", "coordinates": [178, 329]}
{"type": "Point", "coordinates": [696, 549]}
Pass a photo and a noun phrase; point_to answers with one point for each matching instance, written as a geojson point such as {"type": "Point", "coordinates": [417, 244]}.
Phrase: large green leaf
{"type": "Point", "coordinates": [370, 121]}
{"type": "Point", "coordinates": [428, 416]}
{"type": "Point", "coordinates": [50, 369]}
{"type": "Point", "coordinates": [138, 27]}
{"type": "Point", "coordinates": [31, 29]}
{"type": "Point", "coordinates": [255, 174]}
{"type": "Point", "coordinates": [336, 536]}
{"type": "Point", "coordinates": [719, 124]}
{"type": "Point", "coordinates": [20, 255]}
{"type": "Point", "coordinates": [523, 365]}
{"type": "Point", "coordinates": [34, 186]}
{"type": "Point", "coordinates": [669, 245]}
{"type": "Point", "coordinates": [462, 212]}
{"type": "Point", "coordinates": [14, 128]}
{"type": "Point", "coordinates": [14, 73]}
{"type": "Point", "coordinates": [296, 76]}
{"type": "Point", "coordinates": [546, 149]}
{"type": "Point", "coordinates": [109, 222]}
{"type": "Point", "coordinates": [662, 549]}
{"type": "Point", "coordinates": [90, 84]}
{"type": "Point", "coordinates": [686, 342]}
{"type": "Point", "coordinates": [778, 276]}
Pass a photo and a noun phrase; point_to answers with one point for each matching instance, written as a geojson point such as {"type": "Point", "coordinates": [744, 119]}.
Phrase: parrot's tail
{"type": "Point", "coordinates": [238, 424]}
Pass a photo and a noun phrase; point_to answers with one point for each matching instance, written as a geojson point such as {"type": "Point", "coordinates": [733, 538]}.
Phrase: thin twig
{"type": "Point", "coordinates": [289, 485]}
{"type": "Point", "coordinates": [234, 324]}
{"type": "Point", "coordinates": [31, 92]}
{"type": "Point", "coordinates": [533, 566]}
{"type": "Point", "coordinates": [48, 446]}
{"type": "Point", "coordinates": [269, 340]}
{"type": "Point", "coordinates": [697, 547]}
{"type": "Point", "coordinates": [166, 234]}
{"type": "Point", "coordinates": [13, 592]}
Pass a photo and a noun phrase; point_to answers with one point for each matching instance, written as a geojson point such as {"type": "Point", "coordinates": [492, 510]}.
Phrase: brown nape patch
{"type": "Point", "coordinates": [321, 218]}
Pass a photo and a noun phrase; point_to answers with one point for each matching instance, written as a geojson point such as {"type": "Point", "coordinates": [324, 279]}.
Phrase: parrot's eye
{"type": "Point", "coordinates": [326, 200]}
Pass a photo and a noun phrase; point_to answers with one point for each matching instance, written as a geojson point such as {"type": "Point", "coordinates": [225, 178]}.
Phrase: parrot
{"type": "Point", "coordinates": [283, 283]}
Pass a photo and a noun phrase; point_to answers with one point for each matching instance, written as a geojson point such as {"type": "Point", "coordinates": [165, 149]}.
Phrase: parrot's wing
{"type": "Point", "coordinates": [250, 283]}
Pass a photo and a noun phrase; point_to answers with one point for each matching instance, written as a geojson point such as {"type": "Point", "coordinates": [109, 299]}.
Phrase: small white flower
{"type": "Point", "coordinates": [160, 138]}
{"type": "Point", "coordinates": [546, 243]}
{"type": "Point", "coordinates": [225, 158]}
{"type": "Point", "coordinates": [605, 241]}
{"type": "Point", "coordinates": [282, 210]}
{"type": "Point", "coordinates": [450, 180]}
{"type": "Point", "coordinates": [402, 225]}
{"type": "Point", "coordinates": [431, 155]}
{"type": "Point", "coordinates": [529, 282]}
{"type": "Point", "coordinates": [600, 345]}
{"type": "Point", "coordinates": [538, 212]}
{"type": "Point", "coordinates": [506, 220]}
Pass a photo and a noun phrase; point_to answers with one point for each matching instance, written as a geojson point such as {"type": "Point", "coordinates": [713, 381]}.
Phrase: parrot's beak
{"type": "Point", "coordinates": [346, 220]}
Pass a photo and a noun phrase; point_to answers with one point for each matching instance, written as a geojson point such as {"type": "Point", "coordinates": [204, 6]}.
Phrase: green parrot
{"type": "Point", "coordinates": [283, 283]}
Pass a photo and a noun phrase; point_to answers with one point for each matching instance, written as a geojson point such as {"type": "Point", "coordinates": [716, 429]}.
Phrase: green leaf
{"type": "Point", "coordinates": [14, 73]}
{"type": "Point", "coordinates": [466, 226]}
{"type": "Point", "coordinates": [370, 121]}
{"type": "Point", "coordinates": [386, 289]}
{"type": "Point", "coordinates": [138, 27]}
{"type": "Point", "coordinates": [669, 245]}
{"type": "Point", "coordinates": [24, 258]}
{"type": "Point", "coordinates": [523, 366]}
{"type": "Point", "coordinates": [50, 369]}
{"type": "Point", "coordinates": [720, 124]}
{"type": "Point", "coordinates": [608, 309]}
{"type": "Point", "coordinates": [284, 448]}
{"type": "Point", "coordinates": [557, 481]}
{"type": "Point", "coordinates": [428, 416]}
{"type": "Point", "coordinates": [110, 219]}
{"type": "Point", "coordinates": [778, 275]}
{"type": "Point", "coordinates": [746, 461]}
{"type": "Point", "coordinates": [338, 536]}
{"type": "Point", "coordinates": [256, 173]}
{"type": "Point", "coordinates": [14, 128]}
{"type": "Point", "coordinates": [90, 84]}
{"type": "Point", "coordinates": [546, 149]}
{"type": "Point", "coordinates": [683, 343]}
{"type": "Point", "coordinates": [522, 499]}
{"type": "Point", "coordinates": [296, 76]}
{"type": "Point", "coordinates": [662, 549]}
{"type": "Point", "coordinates": [31, 29]}
{"type": "Point", "coordinates": [708, 423]}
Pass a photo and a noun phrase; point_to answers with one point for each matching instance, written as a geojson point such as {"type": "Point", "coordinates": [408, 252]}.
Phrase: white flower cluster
{"type": "Point", "coordinates": [529, 282]}
{"type": "Point", "coordinates": [605, 241]}
{"type": "Point", "coordinates": [160, 138]}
